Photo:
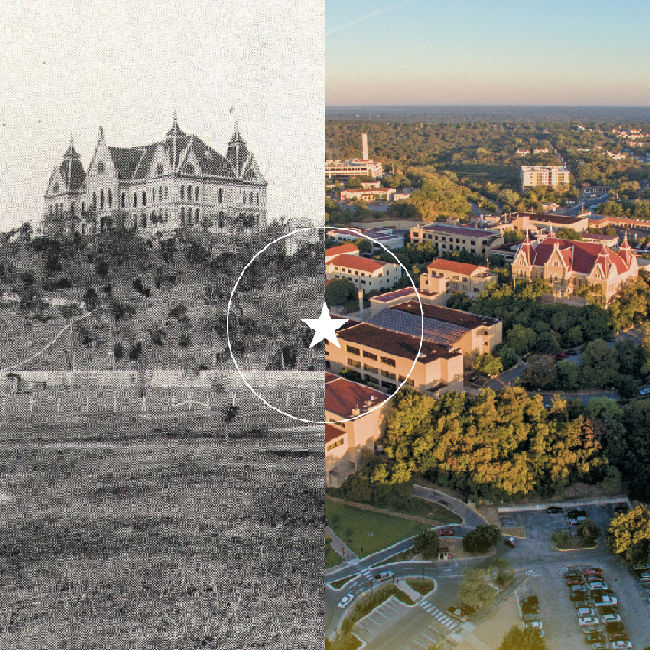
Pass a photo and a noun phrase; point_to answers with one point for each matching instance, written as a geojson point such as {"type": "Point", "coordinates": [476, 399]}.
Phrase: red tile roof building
{"type": "Point", "coordinates": [345, 249]}
{"type": "Point", "coordinates": [461, 277]}
{"type": "Point", "coordinates": [349, 445]}
{"type": "Point", "coordinates": [568, 265]}
{"type": "Point", "coordinates": [366, 274]}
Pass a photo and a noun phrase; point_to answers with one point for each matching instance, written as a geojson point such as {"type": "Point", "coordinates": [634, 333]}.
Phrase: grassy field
{"type": "Point", "coordinates": [422, 585]}
{"type": "Point", "coordinates": [366, 532]}
{"type": "Point", "coordinates": [166, 544]}
{"type": "Point", "coordinates": [429, 510]}
{"type": "Point", "coordinates": [332, 558]}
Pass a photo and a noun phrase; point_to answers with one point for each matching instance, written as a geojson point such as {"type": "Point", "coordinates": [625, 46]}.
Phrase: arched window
{"type": "Point", "coordinates": [143, 221]}
{"type": "Point", "coordinates": [72, 208]}
{"type": "Point", "coordinates": [196, 216]}
{"type": "Point", "coordinates": [159, 169]}
{"type": "Point", "coordinates": [135, 200]}
{"type": "Point", "coordinates": [83, 228]}
{"type": "Point", "coordinates": [189, 192]}
{"type": "Point", "coordinates": [94, 199]}
{"type": "Point", "coordinates": [189, 169]}
{"type": "Point", "coordinates": [135, 221]}
{"type": "Point", "coordinates": [160, 193]}
{"type": "Point", "coordinates": [250, 198]}
{"type": "Point", "coordinates": [182, 216]}
{"type": "Point", "coordinates": [196, 193]}
{"type": "Point", "coordinates": [166, 192]}
{"type": "Point", "coordinates": [83, 207]}
{"type": "Point", "coordinates": [182, 192]}
{"type": "Point", "coordinates": [101, 199]}
{"type": "Point", "coordinates": [257, 198]}
{"type": "Point", "coordinates": [222, 220]}
{"type": "Point", "coordinates": [51, 211]}
{"type": "Point", "coordinates": [243, 198]}
{"type": "Point", "coordinates": [166, 216]}
{"type": "Point", "coordinates": [153, 216]}
{"type": "Point", "coordinates": [100, 167]}
{"type": "Point", "coordinates": [123, 200]}
{"type": "Point", "coordinates": [55, 188]}
{"type": "Point", "coordinates": [220, 196]}
{"type": "Point", "coordinates": [144, 198]}
{"type": "Point", "coordinates": [110, 198]}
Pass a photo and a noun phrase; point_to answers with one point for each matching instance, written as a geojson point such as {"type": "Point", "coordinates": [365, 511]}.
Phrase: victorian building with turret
{"type": "Point", "coordinates": [180, 182]}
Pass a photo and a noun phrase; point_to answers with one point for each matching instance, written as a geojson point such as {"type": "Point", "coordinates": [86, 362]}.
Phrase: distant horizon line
{"type": "Point", "coordinates": [407, 106]}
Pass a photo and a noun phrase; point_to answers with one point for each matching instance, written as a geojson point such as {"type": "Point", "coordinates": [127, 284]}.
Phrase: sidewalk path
{"type": "Point", "coordinates": [339, 545]}
{"type": "Point", "coordinates": [409, 591]}
{"type": "Point", "coordinates": [470, 517]}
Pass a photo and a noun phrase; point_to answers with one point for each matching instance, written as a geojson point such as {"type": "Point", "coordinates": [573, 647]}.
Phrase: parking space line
{"type": "Point", "coordinates": [427, 637]}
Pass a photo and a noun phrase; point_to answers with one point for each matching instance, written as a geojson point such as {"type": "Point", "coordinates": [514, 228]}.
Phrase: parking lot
{"type": "Point", "coordinates": [546, 568]}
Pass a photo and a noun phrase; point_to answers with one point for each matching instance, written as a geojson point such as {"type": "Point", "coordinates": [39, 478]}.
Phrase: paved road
{"type": "Point", "coordinates": [470, 517]}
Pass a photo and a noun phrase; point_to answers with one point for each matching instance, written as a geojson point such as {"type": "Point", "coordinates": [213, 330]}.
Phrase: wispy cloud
{"type": "Point", "coordinates": [372, 14]}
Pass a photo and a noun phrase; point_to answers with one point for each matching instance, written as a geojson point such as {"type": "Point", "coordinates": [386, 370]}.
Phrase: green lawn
{"type": "Point", "coordinates": [429, 510]}
{"type": "Point", "coordinates": [366, 532]}
{"type": "Point", "coordinates": [422, 585]}
{"type": "Point", "coordinates": [332, 558]}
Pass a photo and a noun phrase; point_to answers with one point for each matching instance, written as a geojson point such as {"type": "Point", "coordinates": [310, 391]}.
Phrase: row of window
{"type": "Point", "coordinates": [369, 355]}
{"type": "Point", "coordinates": [335, 444]}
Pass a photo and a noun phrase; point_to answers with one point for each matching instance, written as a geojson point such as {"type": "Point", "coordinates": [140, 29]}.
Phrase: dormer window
{"type": "Point", "coordinates": [100, 168]}
{"type": "Point", "coordinates": [159, 169]}
{"type": "Point", "coordinates": [189, 169]}
{"type": "Point", "coordinates": [55, 188]}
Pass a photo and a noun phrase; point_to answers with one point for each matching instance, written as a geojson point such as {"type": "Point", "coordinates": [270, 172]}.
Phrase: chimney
{"type": "Point", "coordinates": [364, 146]}
{"type": "Point", "coordinates": [360, 296]}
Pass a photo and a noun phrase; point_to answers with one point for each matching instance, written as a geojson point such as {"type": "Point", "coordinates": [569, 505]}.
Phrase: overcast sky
{"type": "Point", "coordinates": [69, 66]}
{"type": "Point", "coordinates": [474, 52]}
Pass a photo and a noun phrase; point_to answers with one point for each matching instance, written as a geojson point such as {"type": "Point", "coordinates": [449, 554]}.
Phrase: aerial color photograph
{"type": "Point", "coordinates": [487, 384]}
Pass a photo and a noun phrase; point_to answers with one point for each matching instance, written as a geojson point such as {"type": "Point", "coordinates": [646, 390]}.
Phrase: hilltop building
{"type": "Point", "coordinates": [366, 274]}
{"type": "Point", "coordinates": [458, 238]}
{"type": "Point", "coordinates": [568, 265]}
{"type": "Point", "coordinates": [461, 277]}
{"type": "Point", "coordinates": [178, 182]}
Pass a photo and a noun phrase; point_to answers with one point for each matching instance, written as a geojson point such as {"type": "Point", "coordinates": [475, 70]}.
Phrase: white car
{"type": "Point", "coordinates": [587, 620]}
{"type": "Point", "coordinates": [610, 618]}
{"type": "Point", "coordinates": [606, 600]}
{"type": "Point", "coordinates": [621, 645]}
{"type": "Point", "coordinates": [644, 576]}
{"type": "Point", "coordinates": [346, 600]}
{"type": "Point", "coordinates": [384, 575]}
{"type": "Point", "coordinates": [533, 625]}
{"type": "Point", "coordinates": [598, 585]}
{"type": "Point", "coordinates": [645, 391]}
{"type": "Point", "coordinates": [586, 611]}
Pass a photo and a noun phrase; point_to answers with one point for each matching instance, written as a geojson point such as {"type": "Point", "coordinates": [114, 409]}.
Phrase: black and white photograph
{"type": "Point", "coordinates": [161, 395]}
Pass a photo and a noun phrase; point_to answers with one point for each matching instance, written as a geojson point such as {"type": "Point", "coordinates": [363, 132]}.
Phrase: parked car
{"type": "Point", "coordinates": [457, 613]}
{"type": "Point", "coordinates": [510, 541]}
{"type": "Point", "coordinates": [610, 339]}
{"type": "Point", "coordinates": [578, 596]}
{"type": "Point", "coordinates": [582, 603]}
{"type": "Point", "coordinates": [575, 580]}
{"type": "Point", "coordinates": [605, 600]}
{"type": "Point", "coordinates": [586, 611]}
{"type": "Point", "coordinates": [610, 618]}
{"type": "Point", "coordinates": [384, 575]}
{"type": "Point", "coordinates": [594, 578]}
{"type": "Point", "coordinates": [533, 625]}
{"type": "Point", "coordinates": [530, 616]}
{"type": "Point", "coordinates": [572, 352]}
{"type": "Point", "coordinates": [613, 628]}
{"type": "Point", "coordinates": [558, 356]}
{"type": "Point", "coordinates": [598, 585]}
{"type": "Point", "coordinates": [554, 510]}
{"type": "Point", "coordinates": [573, 572]}
{"type": "Point", "coordinates": [593, 637]}
{"type": "Point", "coordinates": [621, 645]}
{"type": "Point", "coordinates": [644, 576]}
{"type": "Point", "coordinates": [619, 636]}
{"type": "Point", "coordinates": [346, 600]}
{"type": "Point", "coordinates": [645, 391]}
{"type": "Point", "coordinates": [588, 620]}
{"type": "Point", "coordinates": [530, 609]}
{"type": "Point", "coordinates": [640, 567]}
{"type": "Point", "coordinates": [599, 645]}
{"type": "Point", "coordinates": [593, 571]}
{"type": "Point", "coordinates": [468, 610]}
{"type": "Point", "coordinates": [590, 629]}
{"type": "Point", "coordinates": [578, 588]}
{"type": "Point", "coordinates": [445, 532]}
{"type": "Point", "coordinates": [608, 609]}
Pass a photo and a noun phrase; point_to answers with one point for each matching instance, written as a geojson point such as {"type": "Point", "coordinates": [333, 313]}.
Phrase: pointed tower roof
{"type": "Point", "coordinates": [175, 131]}
{"type": "Point", "coordinates": [526, 249]}
{"type": "Point", "coordinates": [603, 260]}
{"type": "Point", "coordinates": [70, 153]}
{"type": "Point", "coordinates": [625, 251]}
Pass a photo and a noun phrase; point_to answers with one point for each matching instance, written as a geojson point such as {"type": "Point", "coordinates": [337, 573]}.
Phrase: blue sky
{"type": "Point", "coordinates": [479, 52]}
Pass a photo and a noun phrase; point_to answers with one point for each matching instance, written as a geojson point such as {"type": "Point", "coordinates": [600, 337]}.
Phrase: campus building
{"type": "Point", "coordinates": [384, 358]}
{"type": "Point", "coordinates": [368, 194]}
{"type": "Point", "coordinates": [366, 274]}
{"type": "Point", "coordinates": [532, 222]}
{"type": "Point", "coordinates": [177, 182]}
{"type": "Point", "coordinates": [348, 445]}
{"type": "Point", "coordinates": [568, 265]}
{"type": "Point", "coordinates": [456, 238]}
{"type": "Point", "coordinates": [461, 277]}
{"type": "Point", "coordinates": [469, 333]}
{"type": "Point", "coordinates": [437, 296]}
{"type": "Point", "coordinates": [355, 167]}
{"type": "Point", "coordinates": [549, 175]}
{"type": "Point", "coordinates": [385, 236]}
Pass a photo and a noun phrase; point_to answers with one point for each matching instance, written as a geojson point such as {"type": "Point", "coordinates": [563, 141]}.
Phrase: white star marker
{"type": "Point", "coordinates": [324, 327]}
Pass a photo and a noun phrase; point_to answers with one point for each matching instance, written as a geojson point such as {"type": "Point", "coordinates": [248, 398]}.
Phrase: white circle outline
{"type": "Point", "coordinates": [234, 289]}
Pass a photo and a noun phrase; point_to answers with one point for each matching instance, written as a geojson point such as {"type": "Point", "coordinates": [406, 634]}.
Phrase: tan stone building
{"type": "Point", "coordinates": [391, 298]}
{"type": "Point", "coordinates": [384, 358]}
{"type": "Point", "coordinates": [461, 277]}
{"type": "Point", "coordinates": [456, 238]}
{"type": "Point", "coordinates": [530, 221]}
{"type": "Point", "coordinates": [469, 333]}
{"type": "Point", "coordinates": [549, 175]}
{"type": "Point", "coordinates": [568, 265]}
{"type": "Point", "coordinates": [348, 445]}
{"type": "Point", "coordinates": [366, 274]}
{"type": "Point", "coordinates": [335, 251]}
